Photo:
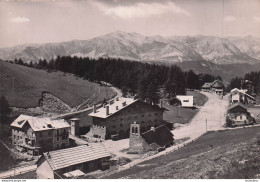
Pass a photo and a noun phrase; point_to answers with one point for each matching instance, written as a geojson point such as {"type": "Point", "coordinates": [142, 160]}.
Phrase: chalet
{"type": "Point", "coordinates": [216, 87]}
{"type": "Point", "coordinates": [239, 95]}
{"type": "Point", "coordinates": [115, 117]}
{"type": "Point", "coordinates": [155, 139]}
{"type": "Point", "coordinates": [239, 115]}
{"type": "Point", "coordinates": [72, 162]}
{"type": "Point", "coordinates": [37, 135]}
{"type": "Point", "coordinates": [247, 84]}
{"type": "Point", "coordinates": [206, 87]}
{"type": "Point", "coordinates": [186, 100]}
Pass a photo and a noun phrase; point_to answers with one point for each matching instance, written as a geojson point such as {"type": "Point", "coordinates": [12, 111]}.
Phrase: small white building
{"type": "Point", "coordinates": [240, 95]}
{"type": "Point", "coordinates": [186, 100]}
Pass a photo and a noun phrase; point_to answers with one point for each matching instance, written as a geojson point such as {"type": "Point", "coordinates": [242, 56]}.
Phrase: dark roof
{"type": "Point", "coordinates": [206, 85]}
{"type": "Point", "coordinates": [217, 84]}
{"type": "Point", "coordinates": [160, 135]}
{"type": "Point", "coordinates": [238, 104]}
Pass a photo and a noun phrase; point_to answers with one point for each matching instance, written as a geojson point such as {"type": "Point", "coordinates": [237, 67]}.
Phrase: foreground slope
{"type": "Point", "coordinates": [23, 86]}
{"type": "Point", "coordinates": [221, 154]}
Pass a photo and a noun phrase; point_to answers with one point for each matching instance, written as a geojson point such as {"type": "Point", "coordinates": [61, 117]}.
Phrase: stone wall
{"type": "Point", "coordinates": [141, 113]}
{"type": "Point", "coordinates": [97, 132]}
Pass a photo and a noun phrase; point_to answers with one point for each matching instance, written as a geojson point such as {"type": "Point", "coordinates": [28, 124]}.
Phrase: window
{"type": "Point", "coordinates": [185, 100]}
{"type": "Point", "coordinates": [155, 114]}
{"type": "Point", "coordinates": [57, 146]}
{"type": "Point", "coordinates": [241, 117]}
{"type": "Point", "coordinates": [58, 138]}
{"type": "Point", "coordinates": [133, 130]}
{"type": "Point", "coordinates": [49, 133]}
{"type": "Point", "coordinates": [58, 132]}
{"type": "Point", "coordinates": [142, 115]}
{"type": "Point", "coordinates": [14, 136]}
{"type": "Point", "coordinates": [63, 138]}
{"type": "Point", "coordinates": [21, 137]}
{"type": "Point", "coordinates": [136, 130]}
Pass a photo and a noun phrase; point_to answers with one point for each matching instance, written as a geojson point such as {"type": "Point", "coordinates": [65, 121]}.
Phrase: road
{"type": "Point", "coordinates": [210, 117]}
{"type": "Point", "coordinates": [214, 111]}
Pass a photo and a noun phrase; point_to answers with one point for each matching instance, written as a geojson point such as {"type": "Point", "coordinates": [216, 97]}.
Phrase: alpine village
{"type": "Point", "coordinates": [116, 107]}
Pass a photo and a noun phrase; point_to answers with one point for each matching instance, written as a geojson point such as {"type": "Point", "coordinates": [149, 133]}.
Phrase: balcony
{"type": "Point", "coordinates": [62, 134]}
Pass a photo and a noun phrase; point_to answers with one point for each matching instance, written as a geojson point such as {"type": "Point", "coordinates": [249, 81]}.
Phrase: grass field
{"type": "Point", "coordinates": [23, 86]}
{"type": "Point", "coordinates": [220, 154]}
{"type": "Point", "coordinates": [186, 114]}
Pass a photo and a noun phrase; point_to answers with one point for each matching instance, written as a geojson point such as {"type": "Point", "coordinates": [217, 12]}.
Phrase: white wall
{"type": "Point", "coordinates": [44, 171]}
{"type": "Point", "coordinates": [186, 101]}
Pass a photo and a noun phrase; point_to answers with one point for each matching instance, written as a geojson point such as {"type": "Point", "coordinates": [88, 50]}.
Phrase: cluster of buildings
{"type": "Point", "coordinates": [54, 139]}
{"type": "Point", "coordinates": [216, 87]}
{"type": "Point", "coordinates": [240, 100]}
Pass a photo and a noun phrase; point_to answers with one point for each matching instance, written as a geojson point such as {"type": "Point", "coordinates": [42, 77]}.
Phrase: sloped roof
{"type": "Point", "coordinates": [217, 84]}
{"type": "Point", "coordinates": [238, 90]}
{"type": "Point", "coordinates": [101, 112]}
{"type": "Point", "coordinates": [39, 124]}
{"type": "Point", "coordinates": [59, 159]}
{"type": "Point", "coordinates": [160, 135]}
{"type": "Point", "coordinates": [238, 104]}
{"type": "Point", "coordinates": [241, 91]}
{"type": "Point", "coordinates": [206, 85]}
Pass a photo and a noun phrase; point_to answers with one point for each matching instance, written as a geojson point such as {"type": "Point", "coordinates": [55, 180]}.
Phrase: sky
{"type": "Point", "coordinates": [44, 21]}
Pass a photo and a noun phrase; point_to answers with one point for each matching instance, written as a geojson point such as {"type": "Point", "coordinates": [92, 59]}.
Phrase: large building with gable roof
{"type": "Point", "coordinates": [115, 117]}
{"type": "Point", "coordinates": [72, 162]}
{"type": "Point", "coordinates": [215, 87]}
{"type": "Point", "coordinates": [37, 135]}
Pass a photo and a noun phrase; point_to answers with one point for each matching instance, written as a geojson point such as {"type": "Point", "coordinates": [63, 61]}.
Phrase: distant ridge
{"type": "Point", "coordinates": [133, 46]}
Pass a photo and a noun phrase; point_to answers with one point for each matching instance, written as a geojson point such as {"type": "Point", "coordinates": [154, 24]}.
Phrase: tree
{"type": "Point", "coordinates": [4, 111]}
{"type": "Point", "coordinates": [4, 107]}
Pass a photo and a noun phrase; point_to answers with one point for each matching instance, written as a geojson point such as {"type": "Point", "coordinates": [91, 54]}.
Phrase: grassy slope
{"type": "Point", "coordinates": [23, 86]}
{"type": "Point", "coordinates": [6, 159]}
{"type": "Point", "coordinates": [214, 155]}
{"type": "Point", "coordinates": [186, 114]}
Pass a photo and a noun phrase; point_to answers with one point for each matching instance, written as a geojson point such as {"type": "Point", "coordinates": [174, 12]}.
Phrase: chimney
{"type": "Point", "coordinates": [124, 103]}
{"type": "Point", "coordinates": [94, 108]}
{"type": "Point", "coordinates": [152, 128]}
{"type": "Point", "coordinates": [116, 107]}
{"type": "Point", "coordinates": [161, 103]}
{"type": "Point", "coordinates": [111, 102]}
{"type": "Point", "coordinates": [107, 110]}
{"type": "Point", "coordinates": [117, 99]}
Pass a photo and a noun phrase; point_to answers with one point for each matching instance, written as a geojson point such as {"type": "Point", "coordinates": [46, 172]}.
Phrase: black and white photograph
{"type": "Point", "coordinates": [129, 89]}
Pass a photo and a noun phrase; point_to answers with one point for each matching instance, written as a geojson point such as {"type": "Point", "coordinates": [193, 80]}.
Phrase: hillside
{"type": "Point", "coordinates": [227, 71]}
{"type": "Point", "coordinates": [133, 46]}
{"type": "Point", "coordinates": [211, 156]}
{"type": "Point", "coordinates": [23, 87]}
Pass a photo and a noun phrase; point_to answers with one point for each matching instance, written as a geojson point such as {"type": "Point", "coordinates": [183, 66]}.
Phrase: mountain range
{"type": "Point", "coordinates": [133, 46]}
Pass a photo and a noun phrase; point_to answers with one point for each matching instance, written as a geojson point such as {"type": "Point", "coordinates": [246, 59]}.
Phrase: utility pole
{"type": "Point", "coordinates": [206, 125]}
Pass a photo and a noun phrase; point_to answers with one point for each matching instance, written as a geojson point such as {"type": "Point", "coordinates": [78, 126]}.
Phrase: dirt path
{"type": "Point", "coordinates": [210, 117]}
{"type": "Point", "coordinates": [214, 111]}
